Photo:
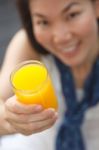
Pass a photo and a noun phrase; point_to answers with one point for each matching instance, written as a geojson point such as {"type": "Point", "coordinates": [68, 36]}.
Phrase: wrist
{"type": "Point", "coordinates": [5, 127]}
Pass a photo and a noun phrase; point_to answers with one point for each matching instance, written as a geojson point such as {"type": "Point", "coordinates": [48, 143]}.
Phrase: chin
{"type": "Point", "coordinates": [73, 63]}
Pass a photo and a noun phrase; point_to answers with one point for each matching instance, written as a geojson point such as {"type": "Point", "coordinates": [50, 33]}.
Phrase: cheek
{"type": "Point", "coordinates": [88, 28]}
{"type": "Point", "coordinates": [41, 37]}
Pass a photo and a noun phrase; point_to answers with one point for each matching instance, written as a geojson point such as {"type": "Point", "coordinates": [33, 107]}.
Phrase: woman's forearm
{"type": "Point", "coordinates": [5, 127]}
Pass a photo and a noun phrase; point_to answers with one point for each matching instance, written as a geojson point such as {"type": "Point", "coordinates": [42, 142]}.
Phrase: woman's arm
{"type": "Point", "coordinates": [14, 116]}
{"type": "Point", "coordinates": [18, 50]}
{"type": "Point", "coordinates": [5, 126]}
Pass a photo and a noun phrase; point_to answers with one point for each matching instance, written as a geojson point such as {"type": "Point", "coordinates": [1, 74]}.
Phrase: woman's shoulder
{"type": "Point", "coordinates": [20, 37]}
{"type": "Point", "coordinates": [21, 34]}
{"type": "Point", "coordinates": [22, 46]}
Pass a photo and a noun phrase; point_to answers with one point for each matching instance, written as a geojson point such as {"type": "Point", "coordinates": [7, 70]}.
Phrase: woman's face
{"type": "Point", "coordinates": [66, 28]}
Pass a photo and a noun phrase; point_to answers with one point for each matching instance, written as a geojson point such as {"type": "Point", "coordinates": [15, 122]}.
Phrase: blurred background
{"type": "Point", "coordinates": [9, 24]}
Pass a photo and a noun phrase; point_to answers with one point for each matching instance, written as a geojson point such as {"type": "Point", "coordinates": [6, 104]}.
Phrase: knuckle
{"type": "Point", "coordinates": [33, 127]}
{"type": "Point", "coordinates": [29, 130]}
{"type": "Point", "coordinates": [45, 115]}
{"type": "Point", "coordinates": [7, 118]}
{"type": "Point", "coordinates": [51, 123]}
{"type": "Point", "coordinates": [23, 117]}
{"type": "Point", "coordinates": [27, 133]}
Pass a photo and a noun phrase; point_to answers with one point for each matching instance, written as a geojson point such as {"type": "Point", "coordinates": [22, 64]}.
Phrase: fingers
{"type": "Point", "coordinates": [34, 127]}
{"type": "Point", "coordinates": [14, 106]}
{"type": "Point", "coordinates": [44, 115]}
{"type": "Point", "coordinates": [27, 118]}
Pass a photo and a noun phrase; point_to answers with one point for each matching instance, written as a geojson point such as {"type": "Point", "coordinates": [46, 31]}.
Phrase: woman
{"type": "Point", "coordinates": [69, 35]}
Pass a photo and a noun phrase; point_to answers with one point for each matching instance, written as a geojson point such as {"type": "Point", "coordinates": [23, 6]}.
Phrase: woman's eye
{"type": "Point", "coordinates": [42, 23]}
{"type": "Point", "coordinates": [73, 15]}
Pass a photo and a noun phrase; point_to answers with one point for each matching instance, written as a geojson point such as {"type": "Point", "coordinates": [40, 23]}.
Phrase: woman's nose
{"type": "Point", "coordinates": [61, 34]}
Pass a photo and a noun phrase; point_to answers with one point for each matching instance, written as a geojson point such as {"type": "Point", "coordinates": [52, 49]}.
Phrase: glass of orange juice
{"type": "Point", "coordinates": [32, 84]}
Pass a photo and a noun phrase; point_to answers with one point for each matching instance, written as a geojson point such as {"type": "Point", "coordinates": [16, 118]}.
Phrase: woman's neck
{"type": "Point", "coordinates": [81, 72]}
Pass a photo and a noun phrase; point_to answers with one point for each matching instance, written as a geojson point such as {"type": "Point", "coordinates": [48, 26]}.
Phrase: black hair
{"type": "Point", "coordinates": [24, 11]}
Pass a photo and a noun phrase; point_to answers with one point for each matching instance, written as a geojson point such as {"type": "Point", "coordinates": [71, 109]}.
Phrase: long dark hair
{"type": "Point", "coordinates": [23, 7]}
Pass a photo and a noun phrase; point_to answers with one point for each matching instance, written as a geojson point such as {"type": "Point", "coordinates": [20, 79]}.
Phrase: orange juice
{"type": "Point", "coordinates": [32, 84]}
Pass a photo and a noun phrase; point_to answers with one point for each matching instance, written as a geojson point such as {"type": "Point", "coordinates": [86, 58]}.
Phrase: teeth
{"type": "Point", "coordinates": [70, 49]}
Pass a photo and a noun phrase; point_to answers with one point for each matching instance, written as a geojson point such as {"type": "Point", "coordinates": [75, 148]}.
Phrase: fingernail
{"type": "Point", "coordinates": [52, 109]}
{"type": "Point", "coordinates": [38, 107]}
{"type": "Point", "coordinates": [56, 114]}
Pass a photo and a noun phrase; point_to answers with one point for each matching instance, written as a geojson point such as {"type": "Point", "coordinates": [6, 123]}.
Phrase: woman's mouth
{"type": "Point", "coordinates": [70, 51]}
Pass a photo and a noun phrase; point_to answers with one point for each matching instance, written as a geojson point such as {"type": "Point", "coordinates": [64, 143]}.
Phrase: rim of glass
{"type": "Point", "coordinates": [22, 64]}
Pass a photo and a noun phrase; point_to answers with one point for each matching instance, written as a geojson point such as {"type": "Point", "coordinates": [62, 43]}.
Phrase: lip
{"type": "Point", "coordinates": [71, 53]}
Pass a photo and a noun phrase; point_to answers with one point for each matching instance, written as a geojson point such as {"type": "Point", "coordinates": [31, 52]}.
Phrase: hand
{"type": "Point", "coordinates": [28, 119]}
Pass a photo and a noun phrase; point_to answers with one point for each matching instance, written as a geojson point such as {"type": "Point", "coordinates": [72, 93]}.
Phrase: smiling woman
{"type": "Point", "coordinates": [66, 40]}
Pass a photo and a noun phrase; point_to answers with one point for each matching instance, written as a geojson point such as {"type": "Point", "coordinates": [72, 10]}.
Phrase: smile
{"type": "Point", "coordinates": [70, 51]}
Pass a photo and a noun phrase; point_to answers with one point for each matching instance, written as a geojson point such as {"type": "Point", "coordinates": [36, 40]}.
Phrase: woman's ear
{"type": "Point", "coordinates": [97, 7]}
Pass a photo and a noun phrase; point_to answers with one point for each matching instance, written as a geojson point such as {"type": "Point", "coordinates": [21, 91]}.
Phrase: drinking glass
{"type": "Point", "coordinates": [32, 84]}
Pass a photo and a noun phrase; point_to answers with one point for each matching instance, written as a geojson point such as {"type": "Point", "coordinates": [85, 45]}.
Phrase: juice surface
{"type": "Point", "coordinates": [33, 86]}
{"type": "Point", "coordinates": [29, 77]}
